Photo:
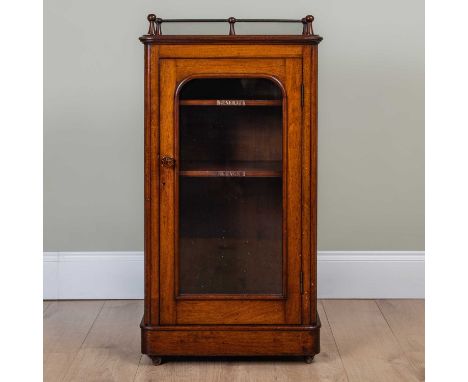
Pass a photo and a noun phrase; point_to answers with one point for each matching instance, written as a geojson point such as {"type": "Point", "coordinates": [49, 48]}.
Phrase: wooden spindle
{"type": "Point", "coordinates": [151, 18]}
{"type": "Point", "coordinates": [304, 26]}
{"type": "Point", "coordinates": [232, 21]}
{"type": "Point", "coordinates": [158, 26]}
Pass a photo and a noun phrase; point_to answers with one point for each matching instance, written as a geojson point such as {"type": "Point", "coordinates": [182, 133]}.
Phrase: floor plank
{"type": "Point", "coordinates": [406, 320]}
{"type": "Point", "coordinates": [66, 324]}
{"type": "Point", "coordinates": [182, 371]}
{"type": "Point", "coordinates": [45, 305]}
{"type": "Point", "coordinates": [111, 351]}
{"type": "Point", "coordinates": [326, 367]}
{"type": "Point", "coordinates": [368, 348]}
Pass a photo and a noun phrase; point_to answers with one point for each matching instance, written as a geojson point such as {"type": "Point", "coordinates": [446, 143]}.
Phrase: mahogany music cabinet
{"type": "Point", "coordinates": [230, 193]}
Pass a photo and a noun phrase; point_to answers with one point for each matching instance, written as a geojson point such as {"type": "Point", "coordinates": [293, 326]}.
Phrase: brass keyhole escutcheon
{"type": "Point", "coordinates": [167, 161]}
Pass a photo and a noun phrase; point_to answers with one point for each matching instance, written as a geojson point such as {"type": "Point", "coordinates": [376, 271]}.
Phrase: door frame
{"type": "Point", "coordinates": [171, 79]}
{"type": "Point", "coordinates": [284, 276]}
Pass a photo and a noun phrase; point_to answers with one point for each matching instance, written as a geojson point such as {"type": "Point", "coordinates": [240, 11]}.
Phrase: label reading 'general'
{"type": "Point", "coordinates": [231, 173]}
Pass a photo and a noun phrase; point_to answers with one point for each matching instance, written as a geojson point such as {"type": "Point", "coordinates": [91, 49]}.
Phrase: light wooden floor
{"type": "Point", "coordinates": [361, 340]}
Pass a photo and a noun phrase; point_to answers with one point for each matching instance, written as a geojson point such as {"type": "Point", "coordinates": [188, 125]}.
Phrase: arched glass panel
{"type": "Point", "coordinates": [230, 187]}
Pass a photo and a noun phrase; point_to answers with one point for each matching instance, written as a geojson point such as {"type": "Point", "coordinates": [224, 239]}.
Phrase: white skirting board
{"type": "Point", "coordinates": [341, 274]}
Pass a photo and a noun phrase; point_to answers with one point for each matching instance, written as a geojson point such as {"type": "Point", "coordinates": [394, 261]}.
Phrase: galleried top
{"type": "Point", "coordinates": [155, 33]}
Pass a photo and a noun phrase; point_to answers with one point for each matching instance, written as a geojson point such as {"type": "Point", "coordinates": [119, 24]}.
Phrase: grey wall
{"type": "Point", "coordinates": [371, 118]}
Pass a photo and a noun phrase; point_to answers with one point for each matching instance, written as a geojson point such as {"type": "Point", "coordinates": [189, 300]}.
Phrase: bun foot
{"type": "Point", "coordinates": [156, 360]}
{"type": "Point", "coordinates": [308, 358]}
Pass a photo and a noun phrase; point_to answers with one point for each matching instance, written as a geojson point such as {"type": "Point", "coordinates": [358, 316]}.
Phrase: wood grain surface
{"type": "Point", "coordinates": [173, 73]}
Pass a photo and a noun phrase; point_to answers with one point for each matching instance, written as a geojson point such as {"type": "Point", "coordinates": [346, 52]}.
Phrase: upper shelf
{"type": "Point", "coordinates": [155, 34]}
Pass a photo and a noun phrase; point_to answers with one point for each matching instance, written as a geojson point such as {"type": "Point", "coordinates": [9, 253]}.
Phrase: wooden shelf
{"type": "Point", "coordinates": [238, 169]}
{"type": "Point", "coordinates": [230, 102]}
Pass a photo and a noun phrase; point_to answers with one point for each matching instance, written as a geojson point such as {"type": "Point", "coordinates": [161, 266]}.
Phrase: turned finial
{"type": "Point", "coordinates": [232, 21]}
{"type": "Point", "coordinates": [152, 29]}
{"type": "Point", "coordinates": [307, 30]}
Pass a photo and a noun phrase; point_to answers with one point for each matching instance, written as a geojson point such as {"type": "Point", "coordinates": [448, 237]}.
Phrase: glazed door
{"type": "Point", "coordinates": [230, 180]}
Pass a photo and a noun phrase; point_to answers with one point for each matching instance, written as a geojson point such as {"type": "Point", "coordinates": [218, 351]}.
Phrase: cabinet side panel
{"type": "Point", "coordinates": [151, 149]}
{"type": "Point", "coordinates": [147, 185]}
{"type": "Point", "coordinates": [155, 100]}
{"type": "Point", "coordinates": [306, 175]}
{"type": "Point", "coordinates": [313, 182]}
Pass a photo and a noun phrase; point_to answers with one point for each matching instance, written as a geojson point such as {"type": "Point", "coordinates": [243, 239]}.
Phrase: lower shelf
{"type": "Point", "coordinates": [236, 169]}
{"type": "Point", "coordinates": [237, 341]}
